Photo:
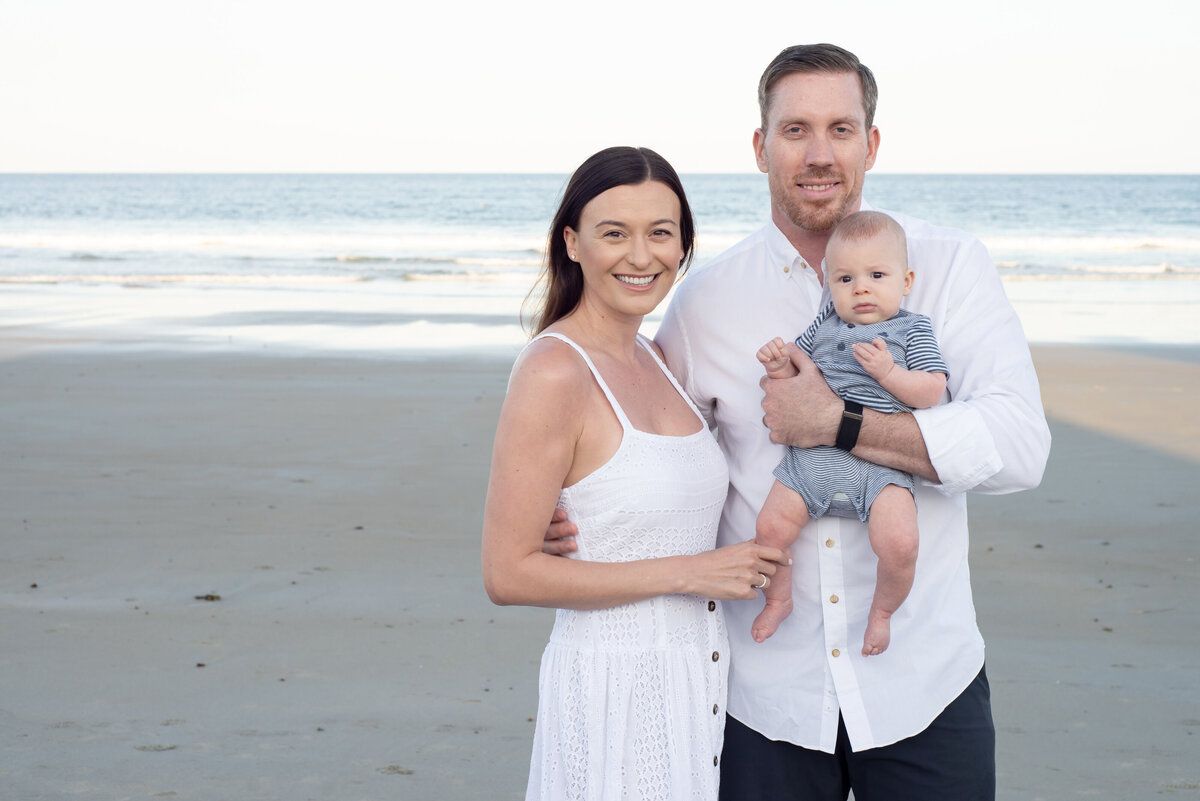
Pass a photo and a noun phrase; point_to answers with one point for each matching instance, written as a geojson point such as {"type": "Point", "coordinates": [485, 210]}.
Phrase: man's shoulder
{"type": "Point", "coordinates": [725, 266]}
{"type": "Point", "coordinates": [939, 247]}
{"type": "Point", "coordinates": [749, 250]}
{"type": "Point", "coordinates": [920, 231]}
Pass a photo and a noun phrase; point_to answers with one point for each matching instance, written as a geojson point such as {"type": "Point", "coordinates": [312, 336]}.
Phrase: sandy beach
{"type": "Point", "coordinates": [231, 576]}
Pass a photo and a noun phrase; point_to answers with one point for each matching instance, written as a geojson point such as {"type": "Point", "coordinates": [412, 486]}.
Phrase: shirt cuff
{"type": "Point", "coordinates": [960, 446]}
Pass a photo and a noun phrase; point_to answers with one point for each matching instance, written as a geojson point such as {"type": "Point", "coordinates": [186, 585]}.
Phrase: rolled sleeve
{"type": "Point", "coordinates": [960, 445]}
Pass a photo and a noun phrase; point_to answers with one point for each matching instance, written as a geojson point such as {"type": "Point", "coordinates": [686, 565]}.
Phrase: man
{"type": "Point", "coordinates": [808, 716]}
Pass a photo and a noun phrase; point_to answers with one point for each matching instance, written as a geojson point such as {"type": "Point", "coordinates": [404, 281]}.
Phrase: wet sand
{"type": "Point", "coordinates": [257, 577]}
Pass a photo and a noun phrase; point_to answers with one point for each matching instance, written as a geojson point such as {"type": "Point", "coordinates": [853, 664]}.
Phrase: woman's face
{"type": "Point", "coordinates": [629, 247]}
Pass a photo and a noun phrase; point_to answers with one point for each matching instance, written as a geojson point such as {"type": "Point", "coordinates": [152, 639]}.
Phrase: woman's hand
{"type": "Point", "coordinates": [735, 572]}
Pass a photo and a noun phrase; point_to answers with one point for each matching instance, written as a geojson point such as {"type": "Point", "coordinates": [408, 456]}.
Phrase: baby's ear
{"type": "Point", "coordinates": [909, 277]}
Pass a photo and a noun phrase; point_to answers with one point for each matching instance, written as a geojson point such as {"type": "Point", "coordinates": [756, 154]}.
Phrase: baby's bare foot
{"type": "Point", "coordinates": [879, 633]}
{"type": "Point", "coordinates": [769, 618]}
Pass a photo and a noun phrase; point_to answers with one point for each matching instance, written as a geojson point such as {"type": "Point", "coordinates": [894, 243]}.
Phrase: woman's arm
{"type": "Point", "coordinates": [543, 426]}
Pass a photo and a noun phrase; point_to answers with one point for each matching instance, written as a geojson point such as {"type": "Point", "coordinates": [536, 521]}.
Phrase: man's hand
{"type": "Point", "coordinates": [801, 411]}
{"type": "Point", "coordinates": [560, 535]}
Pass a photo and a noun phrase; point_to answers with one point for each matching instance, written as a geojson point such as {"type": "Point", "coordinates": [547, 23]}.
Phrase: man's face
{"type": "Point", "coordinates": [816, 149]}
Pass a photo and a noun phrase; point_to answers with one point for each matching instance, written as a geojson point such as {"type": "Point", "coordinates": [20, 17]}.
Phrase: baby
{"type": "Point", "coordinates": [872, 353]}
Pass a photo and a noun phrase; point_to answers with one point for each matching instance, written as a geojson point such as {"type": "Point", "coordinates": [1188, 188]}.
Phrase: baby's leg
{"type": "Point", "coordinates": [892, 528]}
{"type": "Point", "coordinates": [783, 515]}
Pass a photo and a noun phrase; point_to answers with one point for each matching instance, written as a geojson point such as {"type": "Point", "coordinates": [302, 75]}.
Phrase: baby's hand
{"type": "Point", "coordinates": [875, 358]}
{"type": "Point", "coordinates": [775, 359]}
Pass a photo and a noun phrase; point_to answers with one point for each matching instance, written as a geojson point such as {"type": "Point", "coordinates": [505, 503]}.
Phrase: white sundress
{"type": "Point", "coordinates": [632, 699]}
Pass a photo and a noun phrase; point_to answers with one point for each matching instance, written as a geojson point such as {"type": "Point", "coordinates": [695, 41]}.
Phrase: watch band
{"type": "Point", "coordinates": [847, 434]}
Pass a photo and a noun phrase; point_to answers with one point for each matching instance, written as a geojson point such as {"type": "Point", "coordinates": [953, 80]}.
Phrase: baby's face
{"type": "Point", "coordinates": [867, 278]}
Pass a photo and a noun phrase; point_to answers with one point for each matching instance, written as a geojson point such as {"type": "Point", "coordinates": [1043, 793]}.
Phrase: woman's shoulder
{"type": "Point", "coordinates": [550, 365]}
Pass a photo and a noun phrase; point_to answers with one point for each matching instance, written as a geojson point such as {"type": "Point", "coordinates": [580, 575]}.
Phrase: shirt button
{"type": "Point", "coordinates": [714, 709]}
{"type": "Point", "coordinates": [836, 652]}
{"type": "Point", "coordinates": [787, 269]}
{"type": "Point", "coordinates": [714, 761]}
{"type": "Point", "coordinates": [833, 599]}
{"type": "Point", "coordinates": [712, 606]}
{"type": "Point", "coordinates": [828, 543]}
{"type": "Point", "coordinates": [716, 656]}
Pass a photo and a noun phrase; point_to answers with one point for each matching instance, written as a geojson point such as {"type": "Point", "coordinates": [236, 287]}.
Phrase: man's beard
{"type": "Point", "coordinates": [809, 216]}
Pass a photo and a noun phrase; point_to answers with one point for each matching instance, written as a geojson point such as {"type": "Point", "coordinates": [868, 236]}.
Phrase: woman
{"type": "Point", "coordinates": [632, 684]}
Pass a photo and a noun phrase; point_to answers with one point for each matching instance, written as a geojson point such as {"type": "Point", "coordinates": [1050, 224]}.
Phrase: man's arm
{"type": "Point", "coordinates": [992, 435]}
{"type": "Point", "coordinates": [804, 412]}
{"type": "Point", "coordinates": [560, 535]}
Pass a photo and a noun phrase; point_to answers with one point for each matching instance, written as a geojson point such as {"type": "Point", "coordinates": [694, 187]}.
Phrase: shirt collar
{"type": "Point", "coordinates": [784, 253]}
{"type": "Point", "coordinates": [785, 259]}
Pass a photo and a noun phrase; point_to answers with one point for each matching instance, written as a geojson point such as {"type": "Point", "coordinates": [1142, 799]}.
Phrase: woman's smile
{"type": "Point", "coordinates": [638, 280]}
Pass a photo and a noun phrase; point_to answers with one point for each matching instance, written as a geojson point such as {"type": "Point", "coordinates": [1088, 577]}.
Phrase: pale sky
{"type": "Point", "coordinates": [436, 86]}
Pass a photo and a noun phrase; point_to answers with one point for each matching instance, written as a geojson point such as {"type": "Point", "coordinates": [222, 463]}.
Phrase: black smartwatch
{"type": "Point", "coordinates": [847, 434]}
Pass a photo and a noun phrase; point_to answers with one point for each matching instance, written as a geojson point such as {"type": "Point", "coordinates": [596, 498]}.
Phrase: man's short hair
{"type": "Point", "coordinates": [814, 58]}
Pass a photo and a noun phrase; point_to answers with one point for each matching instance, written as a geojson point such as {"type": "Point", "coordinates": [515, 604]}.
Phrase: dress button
{"type": "Point", "coordinates": [836, 652]}
{"type": "Point", "coordinates": [712, 606]}
{"type": "Point", "coordinates": [833, 599]}
{"type": "Point", "coordinates": [716, 656]}
{"type": "Point", "coordinates": [828, 543]}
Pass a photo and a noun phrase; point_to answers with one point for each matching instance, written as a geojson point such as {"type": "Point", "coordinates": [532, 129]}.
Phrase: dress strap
{"type": "Point", "coordinates": [645, 343]}
{"type": "Point", "coordinates": [625, 424]}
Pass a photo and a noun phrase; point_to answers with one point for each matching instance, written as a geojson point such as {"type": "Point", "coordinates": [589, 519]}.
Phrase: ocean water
{"type": "Point", "coordinates": [423, 264]}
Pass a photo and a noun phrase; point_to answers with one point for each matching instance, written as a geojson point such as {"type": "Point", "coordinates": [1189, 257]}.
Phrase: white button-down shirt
{"type": "Point", "coordinates": [990, 437]}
